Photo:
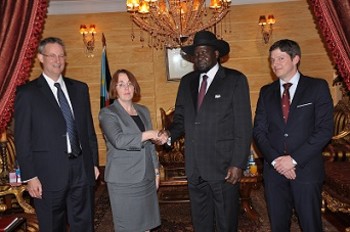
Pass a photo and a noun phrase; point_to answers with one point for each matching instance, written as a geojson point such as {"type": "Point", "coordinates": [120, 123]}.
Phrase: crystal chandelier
{"type": "Point", "coordinates": [173, 23]}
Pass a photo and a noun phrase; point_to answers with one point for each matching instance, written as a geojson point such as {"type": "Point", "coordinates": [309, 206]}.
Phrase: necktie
{"type": "Point", "coordinates": [202, 91]}
{"type": "Point", "coordinates": [286, 101]}
{"type": "Point", "coordinates": [70, 122]}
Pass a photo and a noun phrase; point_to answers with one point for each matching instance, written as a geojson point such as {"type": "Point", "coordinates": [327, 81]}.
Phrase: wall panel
{"type": "Point", "coordinates": [249, 54]}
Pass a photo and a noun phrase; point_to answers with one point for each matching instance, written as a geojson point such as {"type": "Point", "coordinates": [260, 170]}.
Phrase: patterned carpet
{"type": "Point", "coordinates": [176, 217]}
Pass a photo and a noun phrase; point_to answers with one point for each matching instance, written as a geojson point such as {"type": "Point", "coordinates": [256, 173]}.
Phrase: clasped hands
{"type": "Point", "coordinates": [284, 165]}
{"type": "Point", "coordinates": [161, 137]}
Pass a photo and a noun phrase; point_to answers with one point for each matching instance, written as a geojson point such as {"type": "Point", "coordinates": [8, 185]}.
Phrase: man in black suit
{"type": "Point", "coordinates": [292, 143]}
{"type": "Point", "coordinates": [60, 172]}
{"type": "Point", "coordinates": [218, 131]}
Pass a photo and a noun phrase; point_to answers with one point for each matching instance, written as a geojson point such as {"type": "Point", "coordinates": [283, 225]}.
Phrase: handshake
{"type": "Point", "coordinates": [159, 137]}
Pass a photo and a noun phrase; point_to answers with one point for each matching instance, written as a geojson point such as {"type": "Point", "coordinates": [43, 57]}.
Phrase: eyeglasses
{"type": "Point", "coordinates": [54, 56]}
{"type": "Point", "coordinates": [124, 85]}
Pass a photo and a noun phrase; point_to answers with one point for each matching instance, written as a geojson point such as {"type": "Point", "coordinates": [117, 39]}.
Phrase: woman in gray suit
{"type": "Point", "coordinates": [132, 163]}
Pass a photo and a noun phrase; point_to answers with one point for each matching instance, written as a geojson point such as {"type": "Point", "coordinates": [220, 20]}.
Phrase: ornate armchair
{"type": "Point", "coordinates": [172, 159]}
{"type": "Point", "coordinates": [8, 158]}
{"type": "Point", "coordinates": [336, 189]}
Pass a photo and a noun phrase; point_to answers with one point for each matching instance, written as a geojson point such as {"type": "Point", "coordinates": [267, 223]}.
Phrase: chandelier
{"type": "Point", "coordinates": [173, 23]}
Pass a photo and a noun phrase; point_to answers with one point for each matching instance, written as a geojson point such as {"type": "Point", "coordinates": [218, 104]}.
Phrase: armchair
{"type": "Point", "coordinates": [8, 159]}
{"type": "Point", "coordinates": [172, 159]}
{"type": "Point", "coordinates": [336, 189]}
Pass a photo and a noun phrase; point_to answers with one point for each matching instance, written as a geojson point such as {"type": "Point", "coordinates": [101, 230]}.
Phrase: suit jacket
{"type": "Point", "coordinates": [128, 159]}
{"type": "Point", "coordinates": [219, 134]}
{"type": "Point", "coordinates": [40, 132]}
{"type": "Point", "coordinates": [308, 130]}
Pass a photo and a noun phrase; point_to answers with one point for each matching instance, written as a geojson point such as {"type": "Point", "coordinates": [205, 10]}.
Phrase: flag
{"type": "Point", "coordinates": [105, 78]}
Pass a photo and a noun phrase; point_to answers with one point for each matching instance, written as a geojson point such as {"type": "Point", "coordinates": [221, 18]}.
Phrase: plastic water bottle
{"type": "Point", "coordinates": [18, 174]}
{"type": "Point", "coordinates": [249, 163]}
{"type": "Point", "coordinates": [251, 158]}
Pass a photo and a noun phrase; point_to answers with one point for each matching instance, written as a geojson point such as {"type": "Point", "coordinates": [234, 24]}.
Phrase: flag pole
{"type": "Point", "coordinates": [105, 76]}
{"type": "Point", "coordinates": [103, 40]}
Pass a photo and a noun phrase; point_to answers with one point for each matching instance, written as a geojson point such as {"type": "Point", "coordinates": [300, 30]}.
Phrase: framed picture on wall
{"type": "Point", "coordinates": [177, 65]}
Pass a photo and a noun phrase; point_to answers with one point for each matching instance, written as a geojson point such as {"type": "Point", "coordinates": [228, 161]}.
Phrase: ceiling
{"type": "Point", "coordinates": [57, 7]}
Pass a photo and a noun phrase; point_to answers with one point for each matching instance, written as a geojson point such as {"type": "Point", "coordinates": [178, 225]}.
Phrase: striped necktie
{"type": "Point", "coordinates": [70, 122]}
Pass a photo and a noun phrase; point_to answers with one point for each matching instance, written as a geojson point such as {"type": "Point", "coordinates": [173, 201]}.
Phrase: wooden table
{"type": "Point", "coordinates": [175, 190]}
{"type": "Point", "coordinates": [247, 184]}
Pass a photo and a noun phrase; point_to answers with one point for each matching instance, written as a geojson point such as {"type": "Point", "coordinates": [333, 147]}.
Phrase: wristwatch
{"type": "Point", "coordinates": [168, 142]}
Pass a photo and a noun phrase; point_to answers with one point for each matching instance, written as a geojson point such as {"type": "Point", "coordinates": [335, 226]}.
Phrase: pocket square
{"type": "Point", "coordinates": [217, 95]}
{"type": "Point", "coordinates": [303, 105]}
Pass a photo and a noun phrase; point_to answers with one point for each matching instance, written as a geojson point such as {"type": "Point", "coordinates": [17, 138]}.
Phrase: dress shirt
{"type": "Point", "coordinates": [211, 74]}
{"type": "Point", "coordinates": [294, 80]}
{"type": "Point", "coordinates": [293, 88]}
{"type": "Point", "coordinates": [51, 83]}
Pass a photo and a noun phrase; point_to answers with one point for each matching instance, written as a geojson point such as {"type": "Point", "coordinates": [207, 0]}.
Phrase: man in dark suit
{"type": "Point", "coordinates": [58, 162]}
{"type": "Point", "coordinates": [216, 120]}
{"type": "Point", "coordinates": [292, 143]}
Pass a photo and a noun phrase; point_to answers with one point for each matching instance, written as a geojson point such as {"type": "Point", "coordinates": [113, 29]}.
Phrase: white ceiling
{"type": "Point", "coordinates": [57, 7]}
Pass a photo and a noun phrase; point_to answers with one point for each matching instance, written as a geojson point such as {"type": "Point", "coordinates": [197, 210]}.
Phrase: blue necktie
{"type": "Point", "coordinates": [70, 122]}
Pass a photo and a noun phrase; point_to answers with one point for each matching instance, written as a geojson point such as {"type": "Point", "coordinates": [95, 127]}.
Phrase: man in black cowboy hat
{"type": "Point", "coordinates": [213, 111]}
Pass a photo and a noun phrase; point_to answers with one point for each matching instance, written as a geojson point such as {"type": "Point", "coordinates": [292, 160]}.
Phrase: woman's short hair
{"type": "Point", "coordinates": [113, 94]}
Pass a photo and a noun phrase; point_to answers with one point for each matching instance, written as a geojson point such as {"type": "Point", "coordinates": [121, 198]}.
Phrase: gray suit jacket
{"type": "Point", "coordinates": [128, 159]}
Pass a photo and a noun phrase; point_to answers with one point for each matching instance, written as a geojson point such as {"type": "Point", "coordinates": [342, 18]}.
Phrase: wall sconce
{"type": "Point", "coordinates": [266, 27]}
{"type": "Point", "coordinates": [88, 39]}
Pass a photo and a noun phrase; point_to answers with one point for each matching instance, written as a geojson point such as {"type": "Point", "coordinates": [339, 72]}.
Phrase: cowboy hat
{"type": "Point", "coordinates": [207, 38]}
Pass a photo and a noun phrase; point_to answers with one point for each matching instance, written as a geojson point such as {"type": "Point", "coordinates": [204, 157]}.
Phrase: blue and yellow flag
{"type": "Point", "coordinates": [105, 78]}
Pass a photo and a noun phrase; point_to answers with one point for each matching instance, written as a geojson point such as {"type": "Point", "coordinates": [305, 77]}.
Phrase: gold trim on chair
{"type": "Point", "coordinates": [8, 158]}
{"type": "Point", "coordinates": [17, 191]}
{"type": "Point", "coordinates": [335, 205]}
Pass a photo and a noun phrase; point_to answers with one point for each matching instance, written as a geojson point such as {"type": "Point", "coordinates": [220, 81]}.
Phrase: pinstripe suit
{"type": "Point", "coordinates": [217, 137]}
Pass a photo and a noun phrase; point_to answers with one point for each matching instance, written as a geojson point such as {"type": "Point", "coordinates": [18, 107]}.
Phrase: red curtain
{"type": "Point", "coordinates": [21, 26]}
{"type": "Point", "coordinates": [333, 17]}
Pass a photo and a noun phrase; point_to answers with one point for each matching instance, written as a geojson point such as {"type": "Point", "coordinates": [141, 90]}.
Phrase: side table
{"type": "Point", "coordinates": [17, 191]}
{"type": "Point", "coordinates": [248, 183]}
{"type": "Point", "coordinates": [175, 190]}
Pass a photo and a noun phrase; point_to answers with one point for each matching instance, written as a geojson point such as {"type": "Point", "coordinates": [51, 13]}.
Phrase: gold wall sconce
{"type": "Point", "coordinates": [88, 38]}
{"type": "Point", "coordinates": [266, 27]}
